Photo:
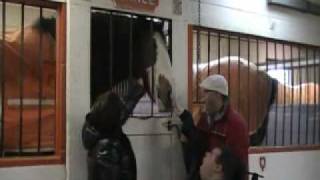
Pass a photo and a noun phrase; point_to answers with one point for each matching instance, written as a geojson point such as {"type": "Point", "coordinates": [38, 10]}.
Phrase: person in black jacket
{"type": "Point", "coordinates": [110, 154]}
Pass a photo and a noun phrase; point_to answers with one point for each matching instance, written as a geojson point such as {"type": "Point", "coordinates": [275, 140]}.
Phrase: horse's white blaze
{"type": "Point", "coordinates": [162, 65]}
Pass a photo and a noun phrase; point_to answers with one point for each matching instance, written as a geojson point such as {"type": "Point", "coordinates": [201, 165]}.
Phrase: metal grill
{"type": "Point", "coordinates": [27, 79]}
{"type": "Point", "coordinates": [273, 84]}
{"type": "Point", "coordinates": [107, 64]}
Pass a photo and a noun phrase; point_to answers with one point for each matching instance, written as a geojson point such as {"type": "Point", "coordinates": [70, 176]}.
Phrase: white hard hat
{"type": "Point", "coordinates": [215, 83]}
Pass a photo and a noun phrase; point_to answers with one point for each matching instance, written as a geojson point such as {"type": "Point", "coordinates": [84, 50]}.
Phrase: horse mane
{"type": "Point", "coordinates": [46, 25]}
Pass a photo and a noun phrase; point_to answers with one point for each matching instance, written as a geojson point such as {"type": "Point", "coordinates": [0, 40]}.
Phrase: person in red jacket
{"type": "Point", "coordinates": [219, 126]}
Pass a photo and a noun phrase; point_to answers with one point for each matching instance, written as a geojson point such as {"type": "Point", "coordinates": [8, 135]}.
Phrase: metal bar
{"type": "Point", "coordinates": [248, 79]}
{"type": "Point", "coordinates": [170, 41]}
{"type": "Point", "coordinates": [170, 47]}
{"type": "Point", "coordinates": [198, 60]}
{"type": "Point", "coordinates": [272, 61]}
{"type": "Point", "coordinates": [110, 50]}
{"type": "Point", "coordinates": [239, 54]}
{"type": "Point", "coordinates": [229, 54]}
{"type": "Point", "coordinates": [208, 53]}
{"type": "Point", "coordinates": [284, 98]}
{"type": "Point", "coordinates": [219, 53]}
{"type": "Point", "coordinates": [300, 94]}
{"type": "Point", "coordinates": [267, 55]}
{"type": "Point", "coordinates": [318, 52]}
{"type": "Point", "coordinates": [276, 113]}
{"type": "Point", "coordinates": [314, 98]}
{"type": "Point", "coordinates": [40, 84]}
{"type": "Point", "coordinates": [255, 36]}
{"type": "Point", "coordinates": [152, 76]}
{"type": "Point", "coordinates": [130, 48]}
{"type": "Point", "coordinates": [292, 96]}
{"type": "Point", "coordinates": [3, 76]}
{"type": "Point", "coordinates": [257, 83]}
{"type": "Point", "coordinates": [307, 93]}
{"type": "Point", "coordinates": [21, 73]}
{"type": "Point", "coordinates": [295, 67]}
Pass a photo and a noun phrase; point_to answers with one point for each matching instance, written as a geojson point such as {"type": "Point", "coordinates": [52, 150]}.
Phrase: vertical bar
{"type": "Point", "coordinates": [307, 101]}
{"type": "Point", "coordinates": [284, 94]}
{"type": "Point", "coordinates": [130, 48]}
{"type": "Point", "coordinates": [40, 84]}
{"type": "Point", "coordinates": [300, 92]}
{"type": "Point", "coordinates": [257, 83]}
{"type": "Point", "coordinates": [170, 41]}
{"type": "Point", "coordinates": [314, 97]}
{"type": "Point", "coordinates": [209, 53]}
{"type": "Point", "coordinates": [110, 50]}
{"type": "Point", "coordinates": [239, 54]}
{"type": "Point", "coordinates": [152, 75]}
{"type": "Point", "coordinates": [248, 79]}
{"type": "Point", "coordinates": [198, 60]}
{"type": "Point", "coordinates": [267, 63]}
{"type": "Point", "coordinates": [318, 52]}
{"type": "Point", "coordinates": [292, 95]}
{"type": "Point", "coordinates": [229, 54]}
{"type": "Point", "coordinates": [219, 53]}
{"type": "Point", "coordinates": [21, 73]}
{"type": "Point", "coordinates": [191, 84]}
{"type": "Point", "coordinates": [3, 76]}
{"type": "Point", "coordinates": [276, 114]}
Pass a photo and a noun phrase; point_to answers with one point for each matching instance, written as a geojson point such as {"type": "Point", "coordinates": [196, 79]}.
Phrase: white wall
{"type": "Point", "coordinates": [54, 172]}
{"type": "Point", "coordinates": [291, 165]}
{"type": "Point", "coordinates": [256, 17]}
{"type": "Point", "coordinates": [157, 151]}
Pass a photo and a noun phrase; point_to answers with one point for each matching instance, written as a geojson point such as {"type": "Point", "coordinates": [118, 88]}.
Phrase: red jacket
{"type": "Point", "coordinates": [230, 131]}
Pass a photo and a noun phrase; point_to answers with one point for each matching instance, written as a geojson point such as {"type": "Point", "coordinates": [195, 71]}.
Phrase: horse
{"type": "Point", "coordinates": [251, 91]}
{"type": "Point", "coordinates": [32, 68]}
{"type": "Point", "coordinates": [150, 60]}
{"type": "Point", "coordinates": [123, 48]}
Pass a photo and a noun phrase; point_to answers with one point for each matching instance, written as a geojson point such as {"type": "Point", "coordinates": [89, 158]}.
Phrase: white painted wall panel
{"type": "Point", "coordinates": [291, 165]}
{"type": "Point", "coordinates": [54, 172]}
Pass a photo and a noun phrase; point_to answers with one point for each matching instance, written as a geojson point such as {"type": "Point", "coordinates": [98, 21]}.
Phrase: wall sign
{"type": "Point", "coordinates": [141, 5]}
{"type": "Point", "coordinates": [177, 7]}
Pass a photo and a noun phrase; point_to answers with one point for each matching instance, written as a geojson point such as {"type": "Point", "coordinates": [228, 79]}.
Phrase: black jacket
{"type": "Point", "coordinates": [195, 147]}
{"type": "Point", "coordinates": [109, 158]}
{"type": "Point", "coordinates": [110, 154]}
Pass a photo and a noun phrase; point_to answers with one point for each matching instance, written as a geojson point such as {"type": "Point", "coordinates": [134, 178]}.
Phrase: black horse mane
{"type": "Point", "coordinates": [46, 25]}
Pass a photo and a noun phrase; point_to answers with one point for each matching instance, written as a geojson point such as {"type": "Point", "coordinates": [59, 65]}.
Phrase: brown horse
{"type": "Point", "coordinates": [150, 49]}
{"type": "Point", "coordinates": [30, 67]}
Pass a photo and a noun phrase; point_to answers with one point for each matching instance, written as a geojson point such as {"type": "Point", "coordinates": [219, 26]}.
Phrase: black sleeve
{"type": "Point", "coordinates": [195, 147]}
{"type": "Point", "coordinates": [90, 136]}
{"type": "Point", "coordinates": [188, 127]}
